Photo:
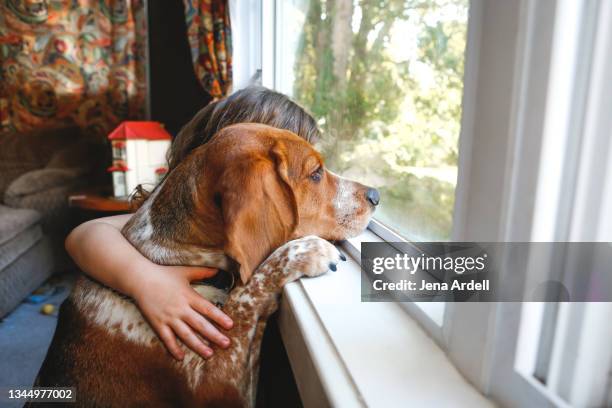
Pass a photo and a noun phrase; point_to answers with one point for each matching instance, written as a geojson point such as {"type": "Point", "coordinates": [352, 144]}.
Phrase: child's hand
{"type": "Point", "coordinates": [174, 309]}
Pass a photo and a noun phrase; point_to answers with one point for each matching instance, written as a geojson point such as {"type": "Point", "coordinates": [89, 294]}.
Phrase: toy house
{"type": "Point", "coordinates": [139, 155]}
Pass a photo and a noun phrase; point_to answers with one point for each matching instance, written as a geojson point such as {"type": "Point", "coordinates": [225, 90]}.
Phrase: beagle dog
{"type": "Point", "coordinates": [255, 200]}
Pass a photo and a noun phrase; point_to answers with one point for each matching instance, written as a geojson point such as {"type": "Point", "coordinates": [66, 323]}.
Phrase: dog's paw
{"type": "Point", "coordinates": [312, 256]}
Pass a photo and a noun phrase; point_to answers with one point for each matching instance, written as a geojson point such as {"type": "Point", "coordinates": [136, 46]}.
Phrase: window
{"type": "Point", "coordinates": [535, 155]}
{"type": "Point", "coordinates": [538, 168]}
{"type": "Point", "coordinates": [552, 335]}
{"type": "Point", "coordinates": [119, 151]}
{"type": "Point", "coordinates": [385, 81]}
{"type": "Point", "coordinates": [246, 41]}
{"type": "Point", "coordinates": [120, 184]}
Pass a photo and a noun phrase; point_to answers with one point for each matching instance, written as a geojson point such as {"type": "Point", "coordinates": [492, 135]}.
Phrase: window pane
{"type": "Point", "coordinates": [384, 79]}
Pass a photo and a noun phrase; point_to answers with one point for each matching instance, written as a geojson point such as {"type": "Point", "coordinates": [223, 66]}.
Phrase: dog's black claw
{"type": "Point", "coordinates": [333, 267]}
{"type": "Point", "coordinates": [342, 257]}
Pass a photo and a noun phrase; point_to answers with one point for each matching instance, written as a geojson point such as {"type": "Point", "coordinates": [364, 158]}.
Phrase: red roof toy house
{"type": "Point", "coordinates": [139, 155]}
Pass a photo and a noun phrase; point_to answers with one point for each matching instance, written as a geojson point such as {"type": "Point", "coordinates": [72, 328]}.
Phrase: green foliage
{"type": "Point", "coordinates": [390, 106]}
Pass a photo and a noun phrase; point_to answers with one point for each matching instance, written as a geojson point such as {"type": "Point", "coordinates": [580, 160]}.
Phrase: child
{"type": "Point", "coordinates": [163, 293]}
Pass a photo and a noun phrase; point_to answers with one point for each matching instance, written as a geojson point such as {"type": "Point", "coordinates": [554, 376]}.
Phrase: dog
{"type": "Point", "coordinates": [252, 191]}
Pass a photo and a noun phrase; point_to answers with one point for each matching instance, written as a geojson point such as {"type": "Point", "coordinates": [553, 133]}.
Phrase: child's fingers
{"type": "Point", "coordinates": [193, 273]}
{"type": "Point", "coordinates": [192, 341]}
{"type": "Point", "coordinates": [169, 339]}
{"type": "Point", "coordinates": [204, 307]}
{"type": "Point", "coordinates": [206, 329]}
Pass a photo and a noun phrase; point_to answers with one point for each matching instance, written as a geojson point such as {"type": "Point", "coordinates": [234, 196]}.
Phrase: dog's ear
{"type": "Point", "coordinates": [259, 209]}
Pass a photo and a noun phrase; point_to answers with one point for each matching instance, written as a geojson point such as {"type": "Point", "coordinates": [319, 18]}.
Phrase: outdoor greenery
{"type": "Point", "coordinates": [384, 78]}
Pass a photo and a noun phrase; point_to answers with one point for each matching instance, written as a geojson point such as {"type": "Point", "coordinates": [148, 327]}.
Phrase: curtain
{"type": "Point", "coordinates": [67, 62]}
{"type": "Point", "coordinates": [209, 34]}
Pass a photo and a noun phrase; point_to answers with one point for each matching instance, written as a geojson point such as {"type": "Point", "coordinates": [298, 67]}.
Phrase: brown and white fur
{"type": "Point", "coordinates": [250, 192]}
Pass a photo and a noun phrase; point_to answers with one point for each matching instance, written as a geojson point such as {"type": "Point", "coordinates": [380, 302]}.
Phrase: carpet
{"type": "Point", "coordinates": [25, 335]}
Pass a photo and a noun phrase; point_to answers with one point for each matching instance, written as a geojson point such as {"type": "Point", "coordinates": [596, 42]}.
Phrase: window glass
{"type": "Point", "coordinates": [384, 79]}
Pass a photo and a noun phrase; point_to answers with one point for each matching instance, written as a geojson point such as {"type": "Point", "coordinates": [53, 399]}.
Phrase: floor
{"type": "Point", "coordinates": [25, 335]}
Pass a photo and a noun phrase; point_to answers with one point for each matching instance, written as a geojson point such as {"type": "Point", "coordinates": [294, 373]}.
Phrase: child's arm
{"type": "Point", "coordinates": [162, 293]}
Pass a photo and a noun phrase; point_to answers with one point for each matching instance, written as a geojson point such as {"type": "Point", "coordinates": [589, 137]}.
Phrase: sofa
{"type": "Point", "coordinates": [38, 171]}
{"type": "Point", "coordinates": [26, 258]}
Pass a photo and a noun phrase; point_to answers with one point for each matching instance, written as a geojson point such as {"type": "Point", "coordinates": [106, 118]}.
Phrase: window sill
{"type": "Point", "coordinates": [429, 314]}
{"type": "Point", "coordinates": [347, 353]}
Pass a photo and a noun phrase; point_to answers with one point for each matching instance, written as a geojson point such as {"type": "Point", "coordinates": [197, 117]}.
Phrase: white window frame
{"type": "Point", "coordinates": [247, 40]}
{"type": "Point", "coordinates": [539, 200]}
{"type": "Point", "coordinates": [571, 210]}
{"type": "Point", "coordinates": [509, 68]}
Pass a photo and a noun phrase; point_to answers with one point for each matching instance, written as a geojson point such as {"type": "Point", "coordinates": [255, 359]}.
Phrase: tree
{"type": "Point", "coordinates": [383, 118]}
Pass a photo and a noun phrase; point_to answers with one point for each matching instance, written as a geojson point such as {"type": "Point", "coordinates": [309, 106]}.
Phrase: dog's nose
{"type": "Point", "coordinates": [373, 196]}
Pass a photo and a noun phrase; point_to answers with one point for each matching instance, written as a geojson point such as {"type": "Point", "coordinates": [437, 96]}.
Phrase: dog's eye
{"type": "Point", "coordinates": [317, 175]}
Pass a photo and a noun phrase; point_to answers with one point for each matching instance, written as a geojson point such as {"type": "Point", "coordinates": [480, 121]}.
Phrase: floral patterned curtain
{"type": "Point", "coordinates": [209, 33]}
{"type": "Point", "coordinates": [66, 62]}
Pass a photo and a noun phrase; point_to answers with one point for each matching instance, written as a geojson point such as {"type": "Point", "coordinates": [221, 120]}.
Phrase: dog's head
{"type": "Point", "coordinates": [268, 186]}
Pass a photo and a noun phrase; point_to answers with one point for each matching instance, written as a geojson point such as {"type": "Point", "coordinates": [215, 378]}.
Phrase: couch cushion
{"type": "Point", "coordinates": [24, 275]}
{"type": "Point", "coordinates": [39, 181]}
{"type": "Point", "coordinates": [19, 231]}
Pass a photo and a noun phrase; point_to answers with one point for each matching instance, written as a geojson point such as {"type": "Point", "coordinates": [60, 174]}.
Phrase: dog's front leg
{"type": "Point", "coordinates": [251, 305]}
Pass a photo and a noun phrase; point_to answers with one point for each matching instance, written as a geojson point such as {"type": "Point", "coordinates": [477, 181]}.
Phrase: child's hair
{"type": "Point", "coordinates": [254, 104]}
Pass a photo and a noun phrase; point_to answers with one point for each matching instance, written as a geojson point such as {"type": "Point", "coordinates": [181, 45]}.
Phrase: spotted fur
{"type": "Point", "coordinates": [119, 316]}
{"type": "Point", "coordinates": [250, 306]}
{"type": "Point", "coordinates": [242, 200]}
